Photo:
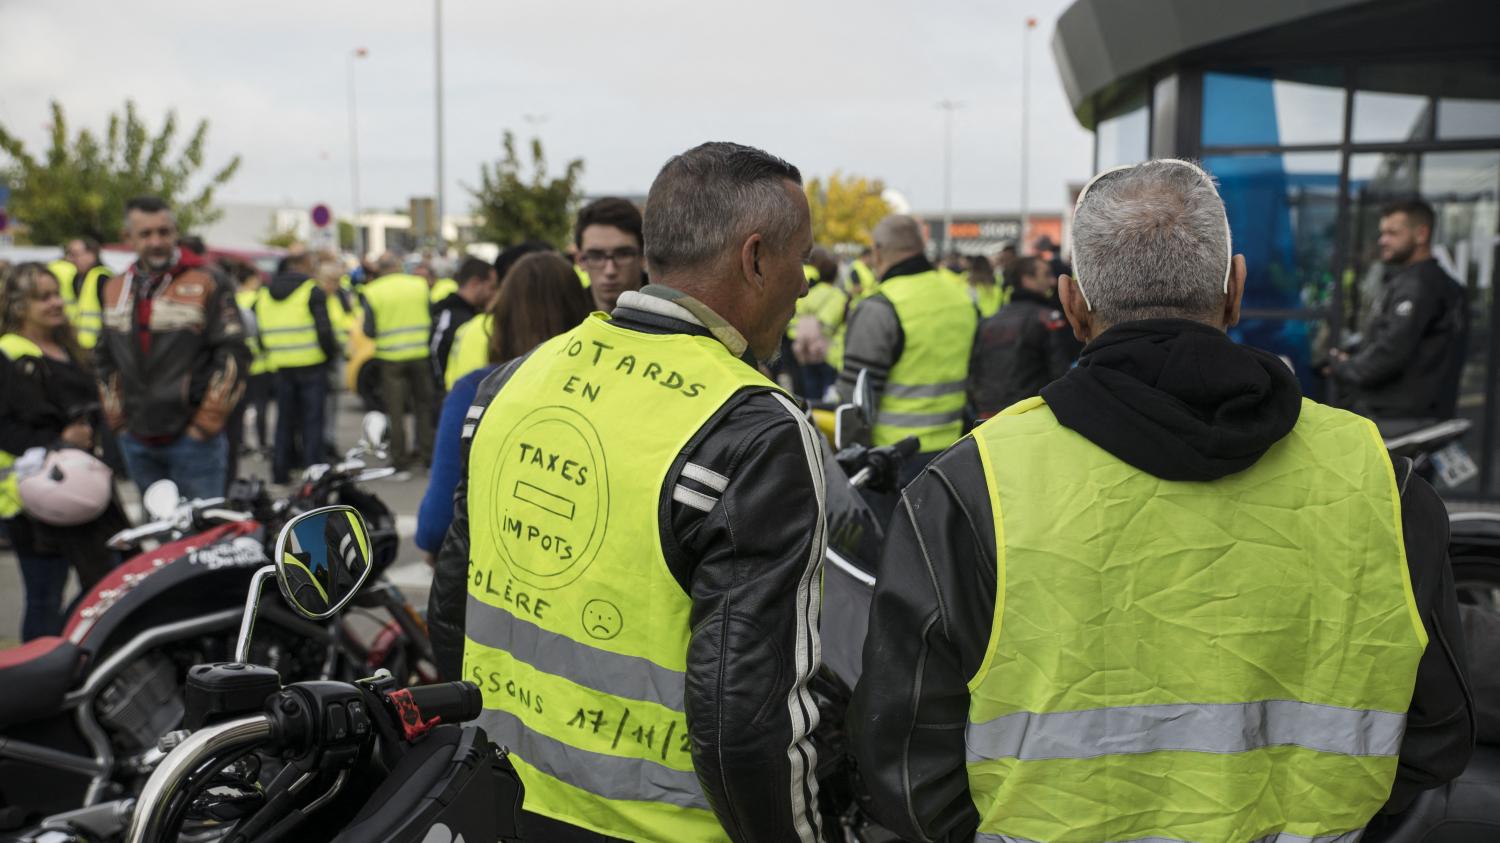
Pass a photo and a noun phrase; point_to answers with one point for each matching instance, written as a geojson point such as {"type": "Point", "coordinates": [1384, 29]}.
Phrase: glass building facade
{"type": "Point", "coordinates": [1307, 149]}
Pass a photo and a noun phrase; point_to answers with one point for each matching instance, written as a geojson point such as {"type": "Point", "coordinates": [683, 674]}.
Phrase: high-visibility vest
{"type": "Point", "coordinates": [576, 630]}
{"type": "Point", "coordinates": [925, 392]}
{"type": "Point", "coordinates": [470, 349]}
{"type": "Point", "coordinates": [824, 301]}
{"type": "Point", "coordinates": [987, 298]}
{"type": "Point", "coordinates": [1229, 660]}
{"type": "Point", "coordinates": [64, 271]}
{"type": "Point", "coordinates": [341, 318]}
{"type": "Point", "coordinates": [868, 283]}
{"type": "Point", "coordinates": [583, 276]}
{"type": "Point", "coordinates": [402, 318]}
{"type": "Point", "coordinates": [259, 360]}
{"type": "Point", "coordinates": [87, 313]}
{"type": "Point", "coordinates": [442, 289]}
{"type": "Point", "coordinates": [287, 329]}
{"type": "Point", "coordinates": [15, 347]}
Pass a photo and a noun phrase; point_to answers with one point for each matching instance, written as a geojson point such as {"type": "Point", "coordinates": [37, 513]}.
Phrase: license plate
{"type": "Point", "coordinates": [1454, 465]}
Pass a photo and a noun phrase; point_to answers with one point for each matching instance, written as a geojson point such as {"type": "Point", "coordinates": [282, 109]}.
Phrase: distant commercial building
{"type": "Point", "coordinates": [1313, 114]}
{"type": "Point", "coordinates": [985, 233]}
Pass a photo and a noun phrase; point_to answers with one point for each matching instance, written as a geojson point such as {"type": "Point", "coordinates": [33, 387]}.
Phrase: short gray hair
{"type": "Point", "coordinates": [1151, 241]}
{"type": "Point", "coordinates": [898, 234]}
{"type": "Point", "coordinates": [708, 199]}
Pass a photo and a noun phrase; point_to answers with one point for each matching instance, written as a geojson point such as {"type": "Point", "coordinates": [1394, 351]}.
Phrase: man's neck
{"type": "Point", "coordinates": [1418, 256]}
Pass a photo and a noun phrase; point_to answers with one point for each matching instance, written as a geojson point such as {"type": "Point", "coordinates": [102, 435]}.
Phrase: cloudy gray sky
{"type": "Point", "coordinates": [828, 85]}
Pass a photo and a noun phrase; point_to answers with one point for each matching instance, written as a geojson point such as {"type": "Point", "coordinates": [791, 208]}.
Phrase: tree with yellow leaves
{"type": "Point", "coordinates": [845, 208]}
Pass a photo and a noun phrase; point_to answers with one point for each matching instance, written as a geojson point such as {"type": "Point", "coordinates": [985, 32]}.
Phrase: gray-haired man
{"type": "Point", "coordinates": [1227, 615]}
{"type": "Point", "coordinates": [651, 678]}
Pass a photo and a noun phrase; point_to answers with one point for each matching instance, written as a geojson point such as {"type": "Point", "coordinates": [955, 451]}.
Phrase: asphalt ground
{"type": "Point", "coordinates": [410, 573]}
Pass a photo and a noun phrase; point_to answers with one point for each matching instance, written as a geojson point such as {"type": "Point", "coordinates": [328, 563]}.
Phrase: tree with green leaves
{"type": "Point", "coordinates": [79, 186]}
{"type": "Point", "coordinates": [514, 206]}
{"type": "Point", "coordinates": [845, 209]}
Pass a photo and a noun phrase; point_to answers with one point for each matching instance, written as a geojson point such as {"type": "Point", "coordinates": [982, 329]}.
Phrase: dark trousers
{"type": "Point", "coordinates": [406, 387]}
{"type": "Point", "coordinates": [44, 578]}
{"type": "Point", "coordinates": [301, 396]}
{"type": "Point", "coordinates": [258, 390]}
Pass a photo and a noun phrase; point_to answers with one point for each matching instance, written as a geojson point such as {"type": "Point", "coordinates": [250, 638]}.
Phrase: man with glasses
{"type": "Point", "coordinates": [608, 237]}
{"type": "Point", "coordinates": [1228, 613]}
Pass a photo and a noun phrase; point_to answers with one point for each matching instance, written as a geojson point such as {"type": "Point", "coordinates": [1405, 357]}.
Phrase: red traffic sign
{"type": "Point", "coordinates": [321, 216]}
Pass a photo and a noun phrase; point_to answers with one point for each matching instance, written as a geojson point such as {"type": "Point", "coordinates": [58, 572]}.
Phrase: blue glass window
{"type": "Point", "coordinates": [1252, 109]}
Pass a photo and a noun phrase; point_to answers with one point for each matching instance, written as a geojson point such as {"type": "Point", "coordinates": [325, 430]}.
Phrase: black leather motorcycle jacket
{"type": "Point", "coordinates": [748, 549]}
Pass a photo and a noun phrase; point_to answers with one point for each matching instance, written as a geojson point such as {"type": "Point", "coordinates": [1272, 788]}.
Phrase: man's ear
{"type": "Point", "coordinates": [752, 255]}
{"type": "Point", "coordinates": [1236, 292]}
{"type": "Point", "coordinates": [1075, 307]}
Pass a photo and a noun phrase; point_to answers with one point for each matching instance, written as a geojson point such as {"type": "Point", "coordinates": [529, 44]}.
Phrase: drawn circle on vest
{"type": "Point", "coordinates": [551, 490]}
{"type": "Point", "coordinates": [602, 619]}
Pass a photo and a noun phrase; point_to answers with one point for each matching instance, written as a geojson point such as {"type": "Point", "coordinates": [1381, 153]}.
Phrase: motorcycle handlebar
{"type": "Point", "coordinates": [454, 702]}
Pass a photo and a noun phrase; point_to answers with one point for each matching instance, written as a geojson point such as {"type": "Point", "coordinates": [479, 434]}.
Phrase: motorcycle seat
{"type": "Point", "coordinates": [38, 673]}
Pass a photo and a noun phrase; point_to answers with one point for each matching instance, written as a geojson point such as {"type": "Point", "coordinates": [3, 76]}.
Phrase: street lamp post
{"type": "Point", "coordinates": [359, 237]}
{"type": "Point", "coordinates": [948, 107]}
{"type": "Point", "coordinates": [438, 59]}
{"type": "Point", "coordinates": [1025, 127]}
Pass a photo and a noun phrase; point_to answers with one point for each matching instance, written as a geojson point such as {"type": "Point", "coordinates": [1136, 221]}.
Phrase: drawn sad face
{"type": "Point", "coordinates": [602, 620]}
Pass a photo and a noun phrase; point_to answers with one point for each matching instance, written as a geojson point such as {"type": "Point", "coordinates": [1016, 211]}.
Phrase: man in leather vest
{"type": "Point", "coordinates": [633, 572]}
{"type": "Point", "coordinates": [1228, 613]}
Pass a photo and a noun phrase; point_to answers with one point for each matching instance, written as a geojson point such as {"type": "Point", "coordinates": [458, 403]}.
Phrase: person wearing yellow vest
{"type": "Point", "coordinates": [441, 289]}
{"type": "Point", "coordinates": [607, 235]}
{"type": "Point", "coordinates": [48, 400]}
{"type": "Point", "coordinates": [1168, 599]}
{"type": "Point", "coordinates": [259, 385]}
{"type": "Point", "coordinates": [477, 283]}
{"type": "Point", "coordinates": [865, 280]}
{"type": "Point", "coordinates": [297, 336]}
{"type": "Point", "coordinates": [84, 311]}
{"type": "Point", "coordinates": [398, 318]}
{"type": "Point", "coordinates": [470, 349]}
{"type": "Point", "coordinates": [633, 571]}
{"type": "Point", "coordinates": [984, 290]}
{"type": "Point", "coordinates": [914, 338]}
{"type": "Point", "coordinates": [806, 356]}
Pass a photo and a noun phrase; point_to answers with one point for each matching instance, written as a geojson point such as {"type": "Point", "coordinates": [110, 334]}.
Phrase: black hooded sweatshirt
{"type": "Point", "coordinates": [286, 283]}
{"type": "Point", "coordinates": [1178, 400]}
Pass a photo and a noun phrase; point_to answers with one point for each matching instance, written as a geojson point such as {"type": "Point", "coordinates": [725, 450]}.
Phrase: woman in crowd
{"type": "Point", "coordinates": [48, 399]}
{"type": "Point", "coordinates": [539, 298]}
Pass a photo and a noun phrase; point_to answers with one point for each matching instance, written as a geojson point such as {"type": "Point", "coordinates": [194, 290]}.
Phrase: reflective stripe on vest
{"type": "Point", "coordinates": [1237, 656]}
{"type": "Point", "coordinates": [575, 629]}
{"type": "Point", "coordinates": [470, 349]}
{"type": "Point", "coordinates": [402, 318]}
{"type": "Point", "coordinates": [88, 314]}
{"type": "Point", "coordinates": [15, 347]}
{"type": "Point", "coordinates": [287, 329]}
{"type": "Point", "coordinates": [925, 392]}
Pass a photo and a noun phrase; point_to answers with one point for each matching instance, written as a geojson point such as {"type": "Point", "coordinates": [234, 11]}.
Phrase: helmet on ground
{"type": "Point", "coordinates": [72, 488]}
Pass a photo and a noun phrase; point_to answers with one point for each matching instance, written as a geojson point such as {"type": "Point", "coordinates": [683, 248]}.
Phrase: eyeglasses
{"type": "Point", "coordinates": [1228, 239]}
{"type": "Point", "coordinates": [597, 258]}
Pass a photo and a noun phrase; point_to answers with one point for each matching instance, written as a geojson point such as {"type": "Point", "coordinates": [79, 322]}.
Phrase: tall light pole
{"type": "Point", "coordinates": [948, 107]}
{"type": "Point", "coordinates": [359, 237]}
{"type": "Point", "coordinates": [437, 53]}
{"type": "Point", "coordinates": [1025, 128]}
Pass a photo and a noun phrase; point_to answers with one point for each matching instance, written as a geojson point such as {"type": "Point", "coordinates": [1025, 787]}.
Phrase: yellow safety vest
{"type": "Point", "coordinates": [826, 302]}
{"type": "Point", "coordinates": [925, 392]}
{"type": "Point", "coordinates": [442, 289]}
{"type": "Point", "coordinates": [868, 283]}
{"type": "Point", "coordinates": [402, 319]}
{"type": "Point", "coordinates": [341, 318]}
{"type": "Point", "coordinates": [259, 360]}
{"type": "Point", "coordinates": [87, 315]}
{"type": "Point", "coordinates": [288, 331]}
{"type": "Point", "coordinates": [470, 349]}
{"type": "Point", "coordinates": [1221, 661]}
{"type": "Point", "coordinates": [583, 277]}
{"type": "Point", "coordinates": [15, 347]}
{"type": "Point", "coordinates": [988, 298]}
{"type": "Point", "coordinates": [576, 629]}
{"type": "Point", "coordinates": [64, 271]}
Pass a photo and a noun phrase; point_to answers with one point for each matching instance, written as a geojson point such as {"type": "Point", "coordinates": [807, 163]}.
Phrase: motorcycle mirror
{"type": "Point", "coordinates": [160, 500]}
{"type": "Point", "coordinates": [849, 427]}
{"type": "Point", "coordinates": [322, 559]}
{"type": "Point", "coordinates": [864, 395]}
{"type": "Point", "coordinates": [376, 428]}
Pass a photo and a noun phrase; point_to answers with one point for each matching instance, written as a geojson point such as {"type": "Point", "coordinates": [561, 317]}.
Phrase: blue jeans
{"type": "Point", "coordinates": [198, 468]}
{"type": "Point", "coordinates": [301, 397]}
{"type": "Point", "coordinates": [44, 577]}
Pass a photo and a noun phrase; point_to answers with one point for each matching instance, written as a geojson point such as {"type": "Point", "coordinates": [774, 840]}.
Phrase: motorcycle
{"type": "Point", "coordinates": [98, 697]}
{"type": "Point", "coordinates": [367, 761]}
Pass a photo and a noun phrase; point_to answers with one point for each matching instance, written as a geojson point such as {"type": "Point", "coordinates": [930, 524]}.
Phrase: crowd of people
{"type": "Point", "coordinates": [1207, 582]}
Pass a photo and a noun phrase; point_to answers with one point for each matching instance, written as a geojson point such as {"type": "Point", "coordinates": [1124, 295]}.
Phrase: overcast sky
{"type": "Point", "coordinates": [828, 85]}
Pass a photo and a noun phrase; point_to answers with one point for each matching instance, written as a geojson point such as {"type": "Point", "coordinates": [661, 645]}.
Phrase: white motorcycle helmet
{"type": "Point", "coordinates": [72, 487]}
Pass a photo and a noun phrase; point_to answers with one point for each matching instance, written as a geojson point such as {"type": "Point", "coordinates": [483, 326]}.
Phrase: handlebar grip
{"type": "Point", "coordinates": [454, 702]}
